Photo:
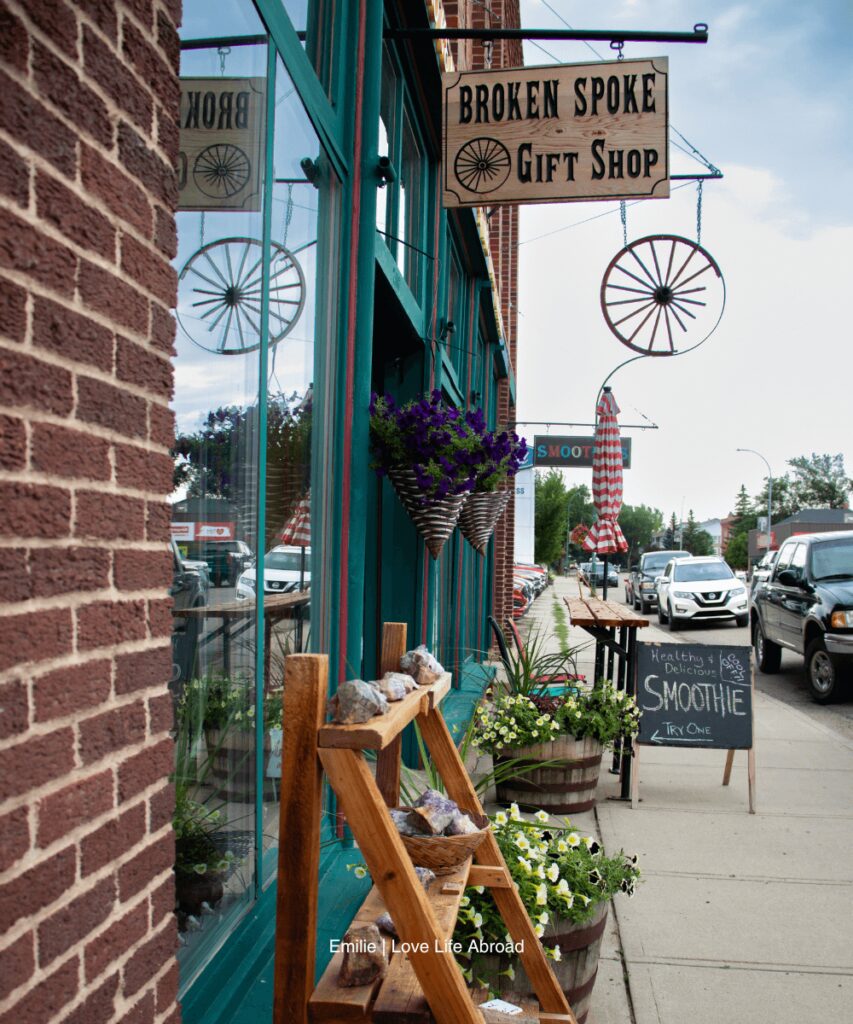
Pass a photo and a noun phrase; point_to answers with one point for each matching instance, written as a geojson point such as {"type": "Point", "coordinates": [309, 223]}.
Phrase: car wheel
{"type": "Point", "coordinates": [628, 598]}
{"type": "Point", "coordinates": [823, 674]}
{"type": "Point", "coordinates": [768, 656]}
{"type": "Point", "coordinates": [675, 623]}
{"type": "Point", "coordinates": [663, 618]}
{"type": "Point", "coordinates": [742, 620]}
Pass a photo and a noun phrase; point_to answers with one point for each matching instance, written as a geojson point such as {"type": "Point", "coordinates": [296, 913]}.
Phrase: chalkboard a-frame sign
{"type": "Point", "coordinates": [696, 695]}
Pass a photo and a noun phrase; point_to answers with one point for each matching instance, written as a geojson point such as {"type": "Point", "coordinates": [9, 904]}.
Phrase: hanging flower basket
{"type": "Point", "coordinates": [434, 519]}
{"type": "Point", "coordinates": [480, 516]}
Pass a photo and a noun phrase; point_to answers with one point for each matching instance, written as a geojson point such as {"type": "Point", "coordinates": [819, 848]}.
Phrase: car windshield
{"type": "Point", "coordinates": [655, 565]}
{"type": "Point", "coordinates": [833, 560]}
{"type": "Point", "coordinates": [284, 560]}
{"type": "Point", "coordinates": [698, 572]}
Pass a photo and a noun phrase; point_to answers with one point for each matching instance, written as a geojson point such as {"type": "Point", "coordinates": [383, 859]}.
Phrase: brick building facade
{"type": "Point", "coordinates": [89, 244]}
{"type": "Point", "coordinates": [89, 139]}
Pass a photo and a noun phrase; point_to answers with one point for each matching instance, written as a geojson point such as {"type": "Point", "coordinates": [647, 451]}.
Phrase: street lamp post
{"type": "Point", "coordinates": [752, 451]}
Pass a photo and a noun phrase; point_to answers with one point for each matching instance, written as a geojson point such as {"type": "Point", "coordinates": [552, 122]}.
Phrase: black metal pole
{"type": "Point", "coordinates": [698, 35]}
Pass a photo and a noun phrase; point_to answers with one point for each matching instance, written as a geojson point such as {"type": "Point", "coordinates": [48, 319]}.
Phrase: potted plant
{"type": "Point", "coordinates": [571, 728]}
{"type": "Point", "coordinates": [200, 863]}
{"type": "Point", "coordinates": [501, 453]}
{"type": "Point", "coordinates": [566, 882]}
{"type": "Point", "coordinates": [429, 451]}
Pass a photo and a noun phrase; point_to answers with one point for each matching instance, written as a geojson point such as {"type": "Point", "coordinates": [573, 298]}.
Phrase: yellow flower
{"type": "Point", "coordinates": [553, 872]}
{"type": "Point", "coordinates": [522, 842]}
{"type": "Point", "coordinates": [541, 895]}
{"type": "Point", "coordinates": [574, 839]}
{"type": "Point", "coordinates": [500, 818]}
{"type": "Point", "coordinates": [543, 917]}
{"type": "Point", "coordinates": [562, 846]}
{"type": "Point", "coordinates": [539, 930]}
{"type": "Point", "coordinates": [541, 816]}
{"type": "Point", "coordinates": [514, 812]}
{"type": "Point", "coordinates": [557, 953]}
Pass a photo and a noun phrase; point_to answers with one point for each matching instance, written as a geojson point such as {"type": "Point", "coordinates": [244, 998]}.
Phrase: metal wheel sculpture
{"type": "Point", "coordinates": [223, 279]}
{"type": "Point", "coordinates": [482, 165]}
{"type": "Point", "coordinates": [663, 295]}
{"type": "Point", "coordinates": [221, 171]}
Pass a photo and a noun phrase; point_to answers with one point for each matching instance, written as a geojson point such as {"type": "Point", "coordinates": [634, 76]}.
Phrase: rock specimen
{"type": "Point", "coordinates": [386, 923]}
{"type": "Point", "coordinates": [425, 877]}
{"type": "Point", "coordinates": [421, 666]}
{"type": "Point", "coordinates": [404, 678]}
{"type": "Point", "coordinates": [461, 825]}
{"type": "Point", "coordinates": [356, 701]}
{"type": "Point", "coordinates": [391, 686]}
{"type": "Point", "coordinates": [432, 812]}
{"type": "Point", "coordinates": [364, 957]}
{"type": "Point", "coordinates": [401, 822]}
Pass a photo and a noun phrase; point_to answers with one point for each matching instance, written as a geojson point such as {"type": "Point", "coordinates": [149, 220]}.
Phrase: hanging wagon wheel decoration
{"type": "Point", "coordinates": [221, 307]}
{"type": "Point", "coordinates": [221, 171]}
{"type": "Point", "coordinates": [663, 295]}
{"type": "Point", "coordinates": [482, 165]}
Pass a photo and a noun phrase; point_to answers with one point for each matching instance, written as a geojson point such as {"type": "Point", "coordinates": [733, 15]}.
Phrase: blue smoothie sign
{"type": "Point", "coordinates": [571, 452]}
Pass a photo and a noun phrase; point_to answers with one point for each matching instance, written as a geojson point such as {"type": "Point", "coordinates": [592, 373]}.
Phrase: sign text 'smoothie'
{"type": "Point", "coordinates": [556, 133]}
{"type": "Point", "coordinates": [571, 452]}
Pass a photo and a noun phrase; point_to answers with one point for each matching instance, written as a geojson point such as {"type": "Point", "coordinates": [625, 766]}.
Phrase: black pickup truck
{"type": "Point", "coordinates": [640, 590]}
{"type": "Point", "coordinates": [806, 606]}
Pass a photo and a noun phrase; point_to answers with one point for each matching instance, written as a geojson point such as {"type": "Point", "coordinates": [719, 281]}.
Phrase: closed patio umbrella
{"type": "Point", "coordinates": [605, 536]}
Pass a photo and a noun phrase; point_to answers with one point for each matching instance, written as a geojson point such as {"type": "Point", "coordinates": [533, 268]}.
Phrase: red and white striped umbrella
{"type": "Point", "coordinates": [605, 535]}
{"type": "Point", "coordinates": [297, 529]}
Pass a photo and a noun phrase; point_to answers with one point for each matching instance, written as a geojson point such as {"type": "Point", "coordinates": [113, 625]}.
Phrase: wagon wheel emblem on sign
{"type": "Point", "coordinates": [221, 171]}
{"type": "Point", "coordinates": [482, 165]}
{"type": "Point", "coordinates": [663, 295]}
{"type": "Point", "coordinates": [225, 280]}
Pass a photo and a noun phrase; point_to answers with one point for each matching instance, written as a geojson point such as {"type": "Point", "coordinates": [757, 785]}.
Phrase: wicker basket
{"type": "Point", "coordinates": [443, 854]}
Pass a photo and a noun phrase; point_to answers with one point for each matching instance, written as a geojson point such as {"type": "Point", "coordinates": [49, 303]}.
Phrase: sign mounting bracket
{"type": "Point", "coordinates": [698, 35]}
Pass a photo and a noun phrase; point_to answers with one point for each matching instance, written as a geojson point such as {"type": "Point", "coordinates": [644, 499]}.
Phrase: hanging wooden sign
{"type": "Point", "coordinates": [556, 133]}
{"type": "Point", "coordinates": [222, 143]}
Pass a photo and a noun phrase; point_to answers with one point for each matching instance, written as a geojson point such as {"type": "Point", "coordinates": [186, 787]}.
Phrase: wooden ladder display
{"type": "Point", "coordinates": [425, 978]}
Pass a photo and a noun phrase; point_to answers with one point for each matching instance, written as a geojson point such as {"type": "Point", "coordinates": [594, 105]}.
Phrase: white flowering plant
{"type": "Point", "coordinates": [561, 874]}
{"type": "Point", "coordinates": [514, 720]}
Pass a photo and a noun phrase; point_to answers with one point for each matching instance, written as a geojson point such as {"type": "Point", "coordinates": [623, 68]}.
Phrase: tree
{"type": "Point", "coordinates": [819, 481]}
{"type": "Point", "coordinates": [737, 550]}
{"type": "Point", "coordinates": [639, 523]}
{"type": "Point", "coordinates": [744, 514]}
{"type": "Point", "coordinates": [784, 501]}
{"type": "Point", "coordinates": [550, 522]}
{"type": "Point", "coordinates": [694, 540]}
{"type": "Point", "coordinates": [670, 534]}
{"type": "Point", "coordinates": [580, 509]}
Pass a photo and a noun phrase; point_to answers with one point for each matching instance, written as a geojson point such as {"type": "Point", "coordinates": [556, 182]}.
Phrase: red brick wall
{"type": "Point", "coordinates": [88, 137]}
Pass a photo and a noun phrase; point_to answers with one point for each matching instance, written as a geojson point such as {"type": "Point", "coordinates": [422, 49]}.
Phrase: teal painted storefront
{"type": "Point", "coordinates": [391, 271]}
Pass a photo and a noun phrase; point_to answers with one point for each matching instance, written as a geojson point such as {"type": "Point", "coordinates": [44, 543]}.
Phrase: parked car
{"type": "Point", "coordinates": [538, 580]}
{"type": "Point", "coordinates": [699, 589]}
{"type": "Point", "coordinates": [640, 586]}
{"type": "Point", "coordinates": [806, 606]}
{"type": "Point", "coordinates": [595, 574]}
{"type": "Point", "coordinates": [190, 589]}
{"type": "Point", "coordinates": [283, 570]}
{"type": "Point", "coordinates": [225, 559]}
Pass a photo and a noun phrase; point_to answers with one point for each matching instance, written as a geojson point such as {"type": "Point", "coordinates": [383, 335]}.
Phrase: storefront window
{"type": "Point", "coordinates": [258, 261]}
{"type": "Point", "coordinates": [315, 23]}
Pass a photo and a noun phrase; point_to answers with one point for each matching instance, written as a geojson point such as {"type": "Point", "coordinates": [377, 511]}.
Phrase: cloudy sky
{"type": "Point", "coordinates": [768, 101]}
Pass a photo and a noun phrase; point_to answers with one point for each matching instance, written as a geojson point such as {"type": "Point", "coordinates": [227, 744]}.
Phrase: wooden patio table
{"type": "Point", "coordinates": [276, 608]}
{"type": "Point", "coordinates": [614, 627]}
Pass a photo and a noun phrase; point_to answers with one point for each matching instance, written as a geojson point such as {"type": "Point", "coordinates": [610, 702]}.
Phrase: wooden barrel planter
{"type": "Point", "coordinates": [561, 789]}
{"type": "Point", "coordinates": [232, 764]}
{"type": "Point", "coordinates": [580, 946]}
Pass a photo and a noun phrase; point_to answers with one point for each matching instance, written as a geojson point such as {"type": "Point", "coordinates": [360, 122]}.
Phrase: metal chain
{"type": "Point", "coordinates": [623, 216]}
{"type": "Point", "coordinates": [288, 213]}
{"type": "Point", "coordinates": [699, 212]}
{"type": "Point", "coordinates": [223, 52]}
{"type": "Point", "coordinates": [617, 45]}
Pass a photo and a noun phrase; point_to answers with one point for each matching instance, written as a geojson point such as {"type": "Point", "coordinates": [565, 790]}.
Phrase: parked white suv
{"type": "Point", "coordinates": [694, 589]}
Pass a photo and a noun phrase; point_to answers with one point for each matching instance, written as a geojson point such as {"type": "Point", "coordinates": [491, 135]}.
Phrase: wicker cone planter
{"type": "Point", "coordinates": [562, 789]}
{"type": "Point", "coordinates": [434, 522]}
{"type": "Point", "coordinates": [580, 945]}
{"type": "Point", "coordinates": [480, 515]}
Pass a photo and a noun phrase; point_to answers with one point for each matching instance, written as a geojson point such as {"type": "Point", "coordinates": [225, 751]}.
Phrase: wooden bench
{"type": "Point", "coordinates": [423, 985]}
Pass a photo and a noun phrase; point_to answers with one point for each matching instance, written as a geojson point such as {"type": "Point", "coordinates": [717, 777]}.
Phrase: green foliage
{"type": "Point", "coordinates": [602, 713]}
{"type": "Point", "coordinates": [784, 501]}
{"type": "Point", "coordinates": [580, 509]}
{"type": "Point", "coordinates": [224, 703]}
{"type": "Point", "coordinates": [737, 551]}
{"type": "Point", "coordinates": [529, 667]}
{"type": "Point", "coordinates": [639, 523]}
{"type": "Point", "coordinates": [819, 481]}
{"type": "Point", "coordinates": [670, 534]}
{"type": "Point", "coordinates": [195, 824]}
{"type": "Point", "coordinates": [694, 540]}
{"type": "Point", "coordinates": [219, 460]}
{"type": "Point", "coordinates": [551, 524]}
{"type": "Point", "coordinates": [560, 873]}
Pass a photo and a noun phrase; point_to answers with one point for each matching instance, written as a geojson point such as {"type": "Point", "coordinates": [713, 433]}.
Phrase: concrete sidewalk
{"type": "Point", "coordinates": [739, 918]}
